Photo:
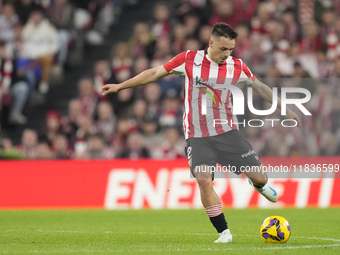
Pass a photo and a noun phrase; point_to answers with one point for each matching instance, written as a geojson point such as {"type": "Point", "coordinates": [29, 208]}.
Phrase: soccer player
{"type": "Point", "coordinates": [207, 143]}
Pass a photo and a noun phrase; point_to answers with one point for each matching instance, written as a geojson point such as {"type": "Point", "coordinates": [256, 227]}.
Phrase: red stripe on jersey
{"type": "Point", "coordinates": [175, 62]}
{"type": "Point", "coordinates": [222, 74]}
{"type": "Point", "coordinates": [237, 71]}
{"type": "Point", "coordinates": [217, 116]}
{"type": "Point", "coordinates": [247, 72]}
{"type": "Point", "coordinates": [189, 64]}
{"type": "Point", "coordinates": [184, 115]}
{"type": "Point", "coordinates": [228, 111]}
{"type": "Point", "coordinates": [236, 77]}
{"type": "Point", "coordinates": [205, 77]}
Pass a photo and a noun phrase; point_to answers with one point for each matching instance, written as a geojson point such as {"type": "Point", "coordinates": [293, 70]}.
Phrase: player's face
{"type": "Point", "coordinates": [220, 49]}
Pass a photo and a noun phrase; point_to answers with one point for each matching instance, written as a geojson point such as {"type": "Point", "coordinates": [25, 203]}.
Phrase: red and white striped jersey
{"type": "Point", "coordinates": [196, 65]}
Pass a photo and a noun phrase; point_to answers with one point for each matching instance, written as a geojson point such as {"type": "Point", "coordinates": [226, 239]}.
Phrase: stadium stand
{"type": "Point", "coordinates": [285, 43]}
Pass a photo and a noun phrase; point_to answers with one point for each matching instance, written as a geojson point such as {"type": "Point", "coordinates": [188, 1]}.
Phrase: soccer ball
{"type": "Point", "coordinates": [275, 229]}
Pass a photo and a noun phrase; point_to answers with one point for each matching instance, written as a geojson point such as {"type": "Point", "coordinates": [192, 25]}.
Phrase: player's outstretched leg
{"type": "Point", "coordinates": [213, 206]}
{"type": "Point", "coordinates": [258, 180]}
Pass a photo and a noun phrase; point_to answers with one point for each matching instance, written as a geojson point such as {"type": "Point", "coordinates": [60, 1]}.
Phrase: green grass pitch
{"type": "Point", "coordinates": [314, 231]}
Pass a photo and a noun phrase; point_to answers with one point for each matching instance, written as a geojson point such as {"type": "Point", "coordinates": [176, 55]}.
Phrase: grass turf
{"type": "Point", "coordinates": [163, 232]}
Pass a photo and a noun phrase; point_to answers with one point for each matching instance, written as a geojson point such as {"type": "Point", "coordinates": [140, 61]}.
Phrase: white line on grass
{"type": "Point", "coordinates": [191, 249]}
{"type": "Point", "coordinates": [167, 233]}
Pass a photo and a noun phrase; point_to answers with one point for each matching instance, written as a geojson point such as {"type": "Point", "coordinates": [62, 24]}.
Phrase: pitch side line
{"type": "Point", "coordinates": [170, 233]}
{"type": "Point", "coordinates": [178, 249]}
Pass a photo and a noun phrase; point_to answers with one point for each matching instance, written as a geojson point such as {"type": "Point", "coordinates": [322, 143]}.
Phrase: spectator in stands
{"type": "Point", "coordinates": [13, 87]}
{"type": "Point", "coordinates": [291, 28]}
{"type": "Point", "coordinates": [303, 78]}
{"type": "Point", "coordinates": [96, 148]}
{"type": "Point", "coordinates": [161, 26]}
{"type": "Point", "coordinates": [332, 146]}
{"type": "Point", "coordinates": [325, 66]}
{"type": "Point", "coordinates": [178, 41]}
{"type": "Point", "coordinates": [321, 102]}
{"type": "Point", "coordinates": [255, 138]}
{"type": "Point", "coordinates": [106, 122]}
{"type": "Point", "coordinates": [124, 127]}
{"type": "Point", "coordinates": [152, 95]}
{"type": "Point", "coordinates": [162, 51]}
{"type": "Point", "coordinates": [171, 147]}
{"type": "Point", "coordinates": [152, 138]}
{"type": "Point", "coordinates": [272, 78]}
{"type": "Point", "coordinates": [139, 110]}
{"type": "Point", "coordinates": [53, 127]}
{"type": "Point", "coordinates": [135, 148]}
{"type": "Point", "coordinates": [141, 40]}
{"type": "Point", "coordinates": [204, 37]}
{"type": "Point", "coordinates": [123, 102]}
{"type": "Point", "coordinates": [186, 6]}
{"type": "Point", "coordinates": [225, 11]}
{"type": "Point", "coordinates": [191, 24]}
{"type": "Point", "coordinates": [140, 65]}
{"type": "Point", "coordinates": [328, 23]}
{"type": "Point", "coordinates": [102, 75]}
{"type": "Point", "coordinates": [121, 61]}
{"type": "Point", "coordinates": [243, 40]}
{"type": "Point", "coordinates": [61, 15]}
{"type": "Point", "coordinates": [70, 122]}
{"type": "Point", "coordinates": [60, 147]}
{"type": "Point", "coordinates": [246, 9]}
{"type": "Point", "coordinates": [44, 152]}
{"type": "Point", "coordinates": [40, 42]}
{"type": "Point", "coordinates": [260, 21]}
{"type": "Point", "coordinates": [171, 114]}
{"type": "Point", "coordinates": [272, 149]}
{"type": "Point", "coordinates": [335, 116]}
{"type": "Point", "coordinates": [24, 8]}
{"type": "Point", "coordinates": [85, 130]}
{"type": "Point", "coordinates": [87, 96]}
{"type": "Point", "coordinates": [191, 44]}
{"type": "Point", "coordinates": [311, 41]}
{"type": "Point", "coordinates": [171, 85]}
{"type": "Point", "coordinates": [267, 42]}
{"type": "Point", "coordinates": [316, 140]}
{"type": "Point", "coordinates": [8, 151]}
{"type": "Point", "coordinates": [29, 143]}
{"type": "Point", "coordinates": [285, 57]}
{"type": "Point", "coordinates": [276, 33]}
{"type": "Point", "coordinates": [8, 20]}
{"type": "Point", "coordinates": [257, 58]}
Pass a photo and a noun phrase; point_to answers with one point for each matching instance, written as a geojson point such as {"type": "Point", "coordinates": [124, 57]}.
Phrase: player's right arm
{"type": "Point", "coordinates": [148, 76]}
{"type": "Point", "coordinates": [174, 66]}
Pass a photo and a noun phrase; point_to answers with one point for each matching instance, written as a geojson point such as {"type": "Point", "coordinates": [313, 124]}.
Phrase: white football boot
{"type": "Point", "coordinates": [266, 191]}
{"type": "Point", "coordinates": [225, 237]}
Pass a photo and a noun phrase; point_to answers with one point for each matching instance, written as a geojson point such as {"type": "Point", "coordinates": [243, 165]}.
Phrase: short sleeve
{"type": "Point", "coordinates": [176, 65]}
{"type": "Point", "coordinates": [246, 77]}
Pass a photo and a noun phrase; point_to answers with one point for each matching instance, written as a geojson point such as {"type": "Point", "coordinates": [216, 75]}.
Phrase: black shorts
{"type": "Point", "coordinates": [230, 150]}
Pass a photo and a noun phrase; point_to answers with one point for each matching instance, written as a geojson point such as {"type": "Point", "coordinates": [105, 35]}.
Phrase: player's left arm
{"type": "Point", "coordinates": [267, 94]}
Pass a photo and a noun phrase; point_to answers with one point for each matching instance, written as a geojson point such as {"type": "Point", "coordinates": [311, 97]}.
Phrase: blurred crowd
{"type": "Point", "coordinates": [285, 43]}
{"type": "Point", "coordinates": [38, 39]}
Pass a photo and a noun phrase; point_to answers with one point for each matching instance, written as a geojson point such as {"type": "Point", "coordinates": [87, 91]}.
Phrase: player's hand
{"type": "Point", "coordinates": [110, 88]}
{"type": "Point", "coordinates": [292, 115]}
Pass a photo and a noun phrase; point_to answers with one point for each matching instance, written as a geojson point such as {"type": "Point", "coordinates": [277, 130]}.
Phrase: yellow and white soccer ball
{"type": "Point", "coordinates": [275, 229]}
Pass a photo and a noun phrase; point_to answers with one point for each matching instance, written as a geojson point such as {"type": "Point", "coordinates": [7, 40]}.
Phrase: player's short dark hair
{"type": "Point", "coordinates": [222, 29]}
